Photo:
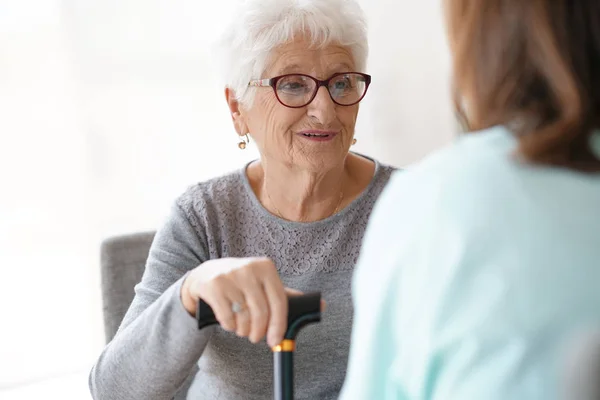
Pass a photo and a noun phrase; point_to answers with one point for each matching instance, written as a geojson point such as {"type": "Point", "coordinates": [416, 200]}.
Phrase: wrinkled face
{"type": "Point", "coordinates": [315, 137]}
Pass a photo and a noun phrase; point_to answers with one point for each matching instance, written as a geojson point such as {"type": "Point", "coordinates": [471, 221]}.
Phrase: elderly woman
{"type": "Point", "coordinates": [293, 219]}
{"type": "Point", "coordinates": [482, 263]}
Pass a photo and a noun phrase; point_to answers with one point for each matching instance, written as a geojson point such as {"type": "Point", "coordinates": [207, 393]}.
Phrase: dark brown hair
{"type": "Point", "coordinates": [533, 66]}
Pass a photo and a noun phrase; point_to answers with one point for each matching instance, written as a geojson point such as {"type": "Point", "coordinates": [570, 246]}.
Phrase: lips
{"type": "Point", "coordinates": [315, 134]}
{"type": "Point", "coordinates": [318, 135]}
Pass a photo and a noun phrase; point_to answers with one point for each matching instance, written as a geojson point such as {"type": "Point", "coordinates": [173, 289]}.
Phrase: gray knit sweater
{"type": "Point", "coordinates": [158, 352]}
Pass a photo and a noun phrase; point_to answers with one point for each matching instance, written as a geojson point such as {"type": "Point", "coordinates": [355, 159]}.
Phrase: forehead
{"type": "Point", "coordinates": [300, 57]}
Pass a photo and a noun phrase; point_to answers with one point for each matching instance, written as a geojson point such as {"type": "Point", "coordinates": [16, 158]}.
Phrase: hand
{"type": "Point", "coordinates": [252, 283]}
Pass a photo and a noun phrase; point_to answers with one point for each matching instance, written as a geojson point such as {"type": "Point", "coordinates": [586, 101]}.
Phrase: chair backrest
{"type": "Point", "coordinates": [122, 263]}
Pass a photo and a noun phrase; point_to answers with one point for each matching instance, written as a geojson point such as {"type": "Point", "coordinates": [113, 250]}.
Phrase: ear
{"type": "Point", "coordinates": [236, 112]}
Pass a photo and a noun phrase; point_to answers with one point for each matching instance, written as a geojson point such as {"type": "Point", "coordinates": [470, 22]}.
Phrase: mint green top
{"type": "Point", "coordinates": [475, 274]}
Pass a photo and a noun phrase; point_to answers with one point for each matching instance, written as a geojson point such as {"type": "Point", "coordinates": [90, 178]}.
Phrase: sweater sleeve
{"type": "Point", "coordinates": [158, 342]}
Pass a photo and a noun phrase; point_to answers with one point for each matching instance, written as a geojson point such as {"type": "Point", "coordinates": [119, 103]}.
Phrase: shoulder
{"type": "Point", "coordinates": [437, 203]}
{"type": "Point", "coordinates": [384, 173]}
{"type": "Point", "coordinates": [474, 165]}
{"type": "Point", "coordinates": [214, 195]}
{"type": "Point", "coordinates": [381, 178]}
{"type": "Point", "coordinates": [456, 188]}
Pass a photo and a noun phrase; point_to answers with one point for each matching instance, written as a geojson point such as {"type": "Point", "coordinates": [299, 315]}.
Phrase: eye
{"type": "Point", "coordinates": [344, 83]}
{"type": "Point", "coordinates": [294, 84]}
{"type": "Point", "coordinates": [347, 88]}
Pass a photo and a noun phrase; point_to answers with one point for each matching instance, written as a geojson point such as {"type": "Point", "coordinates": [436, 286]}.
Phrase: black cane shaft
{"type": "Point", "coordinates": [283, 375]}
{"type": "Point", "coordinates": [302, 311]}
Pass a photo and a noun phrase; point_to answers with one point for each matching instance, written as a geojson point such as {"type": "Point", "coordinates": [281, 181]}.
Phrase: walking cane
{"type": "Point", "coordinates": [302, 310]}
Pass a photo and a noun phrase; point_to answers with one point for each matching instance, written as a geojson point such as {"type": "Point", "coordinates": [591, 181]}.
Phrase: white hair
{"type": "Point", "coordinates": [260, 26]}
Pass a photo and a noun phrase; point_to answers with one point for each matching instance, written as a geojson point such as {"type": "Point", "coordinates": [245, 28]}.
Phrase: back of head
{"type": "Point", "coordinates": [258, 27]}
{"type": "Point", "coordinates": [533, 66]}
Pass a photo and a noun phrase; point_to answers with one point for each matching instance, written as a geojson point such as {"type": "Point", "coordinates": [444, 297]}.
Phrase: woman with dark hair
{"type": "Point", "coordinates": [482, 262]}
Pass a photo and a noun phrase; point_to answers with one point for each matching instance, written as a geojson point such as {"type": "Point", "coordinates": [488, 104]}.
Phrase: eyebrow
{"type": "Point", "coordinates": [296, 68]}
{"type": "Point", "coordinates": [290, 69]}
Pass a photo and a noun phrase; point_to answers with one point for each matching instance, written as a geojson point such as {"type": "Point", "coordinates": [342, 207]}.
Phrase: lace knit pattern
{"type": "Point", "coordinates": [159, 343]}
{"type": "Point", "coordinates": [231, 221]}
{"type": "Point", "coordinates": [318, 256]}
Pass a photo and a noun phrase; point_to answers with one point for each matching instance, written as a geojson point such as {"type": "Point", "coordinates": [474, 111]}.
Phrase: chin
{"type": "Point", "coordinates": [324, 161]}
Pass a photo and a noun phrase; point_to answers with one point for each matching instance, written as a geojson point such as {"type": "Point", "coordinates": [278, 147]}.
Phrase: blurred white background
{"type": "Point", "coordinates": [108, 110]}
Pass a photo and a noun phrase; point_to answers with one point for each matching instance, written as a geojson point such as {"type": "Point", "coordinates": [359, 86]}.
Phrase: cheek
{"type": "Point", "coordinates": [273, 121]}
{"type": "Point", "coordinates": [284, 119]}
{"type": "Point", "coordinates": [264, 114]}
{"type": "Point", "coordinates": [347, 116]}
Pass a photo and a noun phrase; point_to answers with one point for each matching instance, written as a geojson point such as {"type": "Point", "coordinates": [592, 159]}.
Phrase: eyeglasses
{"type": "Point", "coordinates": [298, 90]}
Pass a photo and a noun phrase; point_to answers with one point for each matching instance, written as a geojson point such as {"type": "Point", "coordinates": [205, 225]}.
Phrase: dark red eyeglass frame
{"type": "Point", "coordinates": [272, 82]}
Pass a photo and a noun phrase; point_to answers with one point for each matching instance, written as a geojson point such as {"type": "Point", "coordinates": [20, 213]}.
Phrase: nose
{"type": "Point", "coordinates": [322, 108]}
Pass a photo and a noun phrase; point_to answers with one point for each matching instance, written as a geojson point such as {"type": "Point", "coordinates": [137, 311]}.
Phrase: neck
{"type": "Point", "coordinates": [300, 195]}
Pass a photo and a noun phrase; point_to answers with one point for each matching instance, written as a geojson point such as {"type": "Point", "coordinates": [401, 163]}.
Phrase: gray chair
{"type": "Point", "coordinates": [122, 263]}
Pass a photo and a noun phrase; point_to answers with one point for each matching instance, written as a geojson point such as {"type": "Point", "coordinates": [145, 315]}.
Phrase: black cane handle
{"type": "Point", "coordinates": [303, 309]}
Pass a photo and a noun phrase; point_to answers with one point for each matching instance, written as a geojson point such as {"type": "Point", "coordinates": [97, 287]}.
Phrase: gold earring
{"type": "Point", "coordinates": [243, 142]}
{"type": "Point", "coordinates": [353, 141]}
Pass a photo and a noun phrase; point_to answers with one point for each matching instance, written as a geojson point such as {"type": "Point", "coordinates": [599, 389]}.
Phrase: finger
{"type": "Point", "coordinates": [249, 281]}
{"type": "Point", "coordinates": [242, 317]}
{"type": "Point", "coordinates": [258, 308]}
{"type": "Point", "coordinates": [219, 293]}
{"type": "Point", "coordinates": [278, 309]}
{"type": "Point", "coordinates": [292, 292]}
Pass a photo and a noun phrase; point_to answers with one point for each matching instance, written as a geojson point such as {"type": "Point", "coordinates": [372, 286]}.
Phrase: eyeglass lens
{"type": "Point", "coordinates": [299, 90]}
